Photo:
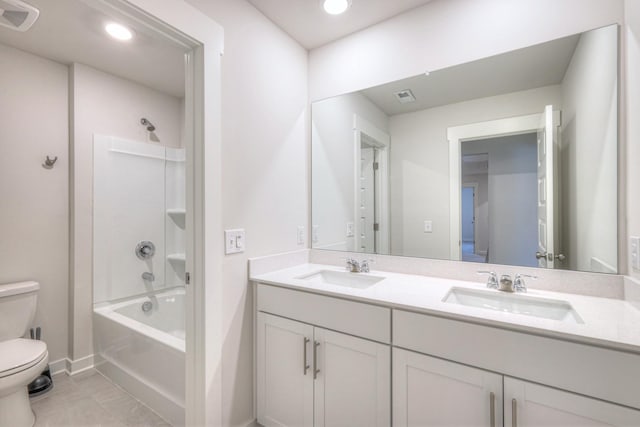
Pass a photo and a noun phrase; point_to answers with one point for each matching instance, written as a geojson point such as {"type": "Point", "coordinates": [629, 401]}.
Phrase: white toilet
{"type": "Point", "coordinates": [21, 360]}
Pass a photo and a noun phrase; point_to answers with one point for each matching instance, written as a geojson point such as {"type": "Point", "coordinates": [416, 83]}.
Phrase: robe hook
{"type": "Point", "coordinates": [49, 162]}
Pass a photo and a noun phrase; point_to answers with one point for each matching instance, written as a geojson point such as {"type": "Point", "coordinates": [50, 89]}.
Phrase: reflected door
{"type": "Point", "coordinates": [366, 239]}
{"type": "Point", "coordinates": [468, 219]}
{"type": "Point", "coordinates": [546, 223]}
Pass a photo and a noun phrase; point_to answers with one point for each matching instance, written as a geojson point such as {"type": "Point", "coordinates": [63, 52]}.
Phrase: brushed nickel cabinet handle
{"type": "Point", "coordinates": [316, 371]}
{"type": "Point", "coordinates": [305, 365]}
{"type": "Point", "coordinates": [492, 408]}
{"type": "Point", "coordinates": [514, 413]}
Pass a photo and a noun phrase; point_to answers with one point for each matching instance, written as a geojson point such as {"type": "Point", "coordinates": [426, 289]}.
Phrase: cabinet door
{"type": "Point", "coordinates": [533, 405]}
{"type": "Point", "coordinates": [434, 392]}
{"type": "Point", "coordinates": [353, 384]}
{"type": "Point", "coordinates": [285, 379]}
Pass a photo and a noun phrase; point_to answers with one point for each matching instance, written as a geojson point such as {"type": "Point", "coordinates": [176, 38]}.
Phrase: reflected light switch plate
{"type": "Point", "coordinates": [635, 254]}
{"type": "Point", "coordinates": [350, 229]}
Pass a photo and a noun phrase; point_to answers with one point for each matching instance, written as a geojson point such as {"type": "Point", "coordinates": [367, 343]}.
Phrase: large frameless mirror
{"type": "Point", "coordinates": [510, 159]}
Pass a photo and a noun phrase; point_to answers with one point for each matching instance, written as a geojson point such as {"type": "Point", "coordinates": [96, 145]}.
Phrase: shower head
{"type": "Point", "coordinates": [148, 124]}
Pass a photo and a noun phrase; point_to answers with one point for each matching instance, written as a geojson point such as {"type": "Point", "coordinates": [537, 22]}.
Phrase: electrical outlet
{"type": "Point", "coordinates": [314, 233]}
{"type": "Point", "coordinates": [635, 252]}
{"type": "Point", "coordinates": [301, 235]}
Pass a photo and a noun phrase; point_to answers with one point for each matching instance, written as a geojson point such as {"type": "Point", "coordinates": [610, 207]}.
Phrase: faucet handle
{"type": "Point", "coordinates": [518, 282]}
{"type": "Point", "coordinates": [352, 265]}
{"type": "Point", "coordinates": [364, 265]}
{"type": "Point", "coordinates": [492, 281]}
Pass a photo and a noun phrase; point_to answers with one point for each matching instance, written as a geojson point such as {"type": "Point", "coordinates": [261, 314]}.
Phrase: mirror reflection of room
{"type": "Point", "coordinates": [545, 123]}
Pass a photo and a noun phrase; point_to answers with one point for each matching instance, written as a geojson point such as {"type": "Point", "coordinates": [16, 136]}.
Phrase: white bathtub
{"type": "Point", "coordinates": [143, 352]}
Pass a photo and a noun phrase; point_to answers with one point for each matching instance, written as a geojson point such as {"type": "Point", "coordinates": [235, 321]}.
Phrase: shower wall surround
{"type": "Point", "coordinates": [138, 195]}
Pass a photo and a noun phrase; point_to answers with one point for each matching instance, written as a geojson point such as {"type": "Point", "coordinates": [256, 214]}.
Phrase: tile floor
{"type": "Point", "coordinates": [90, 400]}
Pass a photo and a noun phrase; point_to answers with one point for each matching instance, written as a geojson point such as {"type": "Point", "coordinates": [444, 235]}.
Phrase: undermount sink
{"type": "Point", "coordinates": [545, 308]}
{"type": "Point", "coordinates": [341, 278]}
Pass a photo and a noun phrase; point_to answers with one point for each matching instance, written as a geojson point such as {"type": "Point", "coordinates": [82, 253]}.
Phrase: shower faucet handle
{"type": "Point", "coordinates": [145, 250]}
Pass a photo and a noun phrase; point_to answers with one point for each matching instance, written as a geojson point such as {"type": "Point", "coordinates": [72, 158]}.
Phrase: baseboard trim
{"type": "Point", "coordinates": [58, 366]}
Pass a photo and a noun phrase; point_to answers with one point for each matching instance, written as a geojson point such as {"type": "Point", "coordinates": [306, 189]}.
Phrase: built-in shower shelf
{"type": "Point", "coordinates": [177, 257]}
{"type": "Point", "coordinates": [178, 216]}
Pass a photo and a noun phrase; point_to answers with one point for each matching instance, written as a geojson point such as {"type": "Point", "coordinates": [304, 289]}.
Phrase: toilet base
{"type": "Point", "coordinates": [15, 410]}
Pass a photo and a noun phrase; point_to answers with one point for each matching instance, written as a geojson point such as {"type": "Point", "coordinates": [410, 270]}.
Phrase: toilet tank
{"type": "Point", "coordinates": [17, 308]}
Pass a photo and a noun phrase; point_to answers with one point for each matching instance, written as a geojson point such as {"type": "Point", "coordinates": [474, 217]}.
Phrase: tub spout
{"type": "Point", "coordinates": [148, 276]}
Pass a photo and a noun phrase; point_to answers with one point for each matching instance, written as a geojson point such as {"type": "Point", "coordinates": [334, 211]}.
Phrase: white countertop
{"type": "Point", "coordinates": [608, 322]}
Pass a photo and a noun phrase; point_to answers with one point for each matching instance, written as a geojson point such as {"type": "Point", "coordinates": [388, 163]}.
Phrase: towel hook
{"type": "Point", "coordinates": [49, 162]}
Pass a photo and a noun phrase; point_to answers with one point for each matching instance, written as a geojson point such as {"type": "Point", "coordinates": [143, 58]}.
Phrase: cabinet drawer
{"type": "Point", "coordinates": [593, 371]}
{"type": "Point", "coordinates": [362, 320]}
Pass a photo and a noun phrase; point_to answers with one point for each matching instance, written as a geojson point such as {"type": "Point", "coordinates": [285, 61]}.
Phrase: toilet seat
{"type": "Point", "coordinates": [20, 354]}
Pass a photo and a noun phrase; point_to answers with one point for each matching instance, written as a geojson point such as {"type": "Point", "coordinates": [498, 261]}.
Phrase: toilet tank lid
{"type": "Point", "coordinates": [17, 288]}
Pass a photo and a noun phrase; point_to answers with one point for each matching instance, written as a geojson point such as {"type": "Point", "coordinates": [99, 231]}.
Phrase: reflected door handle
{"type": "Point", "coordinates": [561, 257]}
{"type": "Point", "coordinates": [540, 255]}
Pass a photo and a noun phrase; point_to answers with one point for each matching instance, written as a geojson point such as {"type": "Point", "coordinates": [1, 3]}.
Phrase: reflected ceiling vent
{"type": "Point", "coordinates": [17, 15]}
{"type": "Point", "coordinates": [405, 96]}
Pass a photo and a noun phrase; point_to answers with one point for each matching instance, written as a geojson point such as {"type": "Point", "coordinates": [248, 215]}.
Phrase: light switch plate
{"type": "Point", "coordinates": [635, 252]}
{"type": "Point", "coordinates": [428, 226]}
{"type": "Point", "coordinates": [234, 241]}
{"type": "Point", "coordinates": [300, 232]}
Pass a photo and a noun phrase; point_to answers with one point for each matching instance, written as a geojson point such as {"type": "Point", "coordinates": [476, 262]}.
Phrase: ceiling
{"type": "Point", "coordinates": [70, 31]}
{"type": "Point", "coordinates": [306, 21]}
{"type": "Point", "coordinates": [532, 67]}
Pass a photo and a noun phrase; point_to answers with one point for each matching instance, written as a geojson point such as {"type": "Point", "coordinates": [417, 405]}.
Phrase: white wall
{"type": "Point", "coordinates": [265, 149]}
{"type": "Point", "coordinates": [448, 32]}
{"type": "Point", "coordinates": [130, 200]}
{"type": "Point", "coordinates": [34, 215]}
{"type": "Point", "coordinates": [631, 99]}
{"type": "Point", "coordinates": [333, 165]}
{"type": "Point", "coordinates": [104, 104]}
{"type": "Point", "coordinates": [512, 182]}
{"type": "Point", "coordinates": [589, 150]}
{"type": "Point", "coordinates": [420, 165]}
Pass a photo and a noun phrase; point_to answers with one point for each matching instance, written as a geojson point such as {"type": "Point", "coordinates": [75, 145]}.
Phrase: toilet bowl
{"type": "Point", "coordinates": [21, 360]}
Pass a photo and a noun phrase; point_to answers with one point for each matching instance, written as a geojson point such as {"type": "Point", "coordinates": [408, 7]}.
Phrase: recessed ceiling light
{"type": "Point", "coordinates": [118, 31]}
{"type": "Point", "coordinates": [336, 7]}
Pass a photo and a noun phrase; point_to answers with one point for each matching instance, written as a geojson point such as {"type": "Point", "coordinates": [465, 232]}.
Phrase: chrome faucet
{"type": "Point", "coordinates": [492, 281]}
{"type": "Point", "coordinates": [518, 282]}
{"type": "Point", "coordinates": [506, 284]}
{"type": "Point", "coordinates": [355, 266]}
{"type": "Point", "coordinates": [148, 276]}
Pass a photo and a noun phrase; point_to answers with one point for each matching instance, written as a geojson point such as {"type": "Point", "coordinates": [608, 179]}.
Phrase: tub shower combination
{"type": "Point", "coordinates": [138, 271]}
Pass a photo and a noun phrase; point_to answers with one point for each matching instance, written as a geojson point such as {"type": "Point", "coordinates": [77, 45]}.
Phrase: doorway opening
{"type": "Point", "coordinates": [371, 211]}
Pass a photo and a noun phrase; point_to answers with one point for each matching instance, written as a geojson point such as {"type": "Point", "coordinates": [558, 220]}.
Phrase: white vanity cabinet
{"type": "Point", "coordinates": [433, 392]}
{"type": "Point", "coordinates": [569, 371]}
{"type": "Point", "coordinates": [532, 405]}
{"type": "Point", "coordinates": [328, 361]}
{"type": "Point", "coordinates": [428, 391]}
{"type": "Point", "coordinates": [308, 375]}
{"type": "Point", "coordinates": [285, 381]}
